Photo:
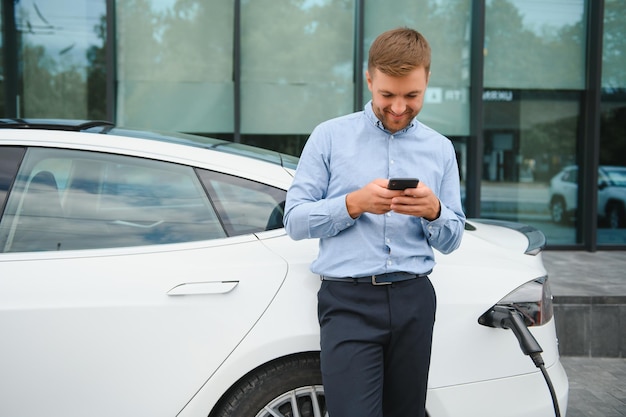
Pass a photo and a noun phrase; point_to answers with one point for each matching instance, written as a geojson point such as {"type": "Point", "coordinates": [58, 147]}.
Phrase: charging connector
{"type": "Point", "coordinates": [507, 317]}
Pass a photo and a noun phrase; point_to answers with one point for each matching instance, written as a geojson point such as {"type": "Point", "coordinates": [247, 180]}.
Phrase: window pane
{"type": "Point", "coordinates": [62, 56]}
{"type": "Point", "coordinates": [10, 159]}
{"type": "Point", "coordinates": [297, 64]}
{"type": "Point", "coordinates": [446, 107]}
{"type": "Point", "coordinates": [614, 45]}
{"type": "Point", "coordinates": [175, 65]}
{"type": "Point", "coordinates": [67, 200]}
{"type": "Point", "coordinates": [534, 77]}
{"type": "Point", "coordinates": [535, 44]}
{"type": "Point", "coordinates": [611, 187]}
{"type": "Point", "coordinates": [244, 206]}
{"type": "Point", "coordinates": [530, 136]}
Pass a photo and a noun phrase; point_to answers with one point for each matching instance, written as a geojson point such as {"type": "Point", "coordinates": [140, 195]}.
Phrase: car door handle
{"type": "Point", "coordinates": [197, 288]}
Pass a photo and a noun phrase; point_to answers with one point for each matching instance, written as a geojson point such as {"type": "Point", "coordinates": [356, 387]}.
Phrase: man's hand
{"type": "Point", "coordinates": [420, 202]}
{"type": "Point", "coordinates": [375, 198]}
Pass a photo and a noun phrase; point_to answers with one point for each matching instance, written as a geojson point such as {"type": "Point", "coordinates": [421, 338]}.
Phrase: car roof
{"type": "Point", "coordinates": [613, 167]}
{"type": "Point", "coordinates": [108, 128]}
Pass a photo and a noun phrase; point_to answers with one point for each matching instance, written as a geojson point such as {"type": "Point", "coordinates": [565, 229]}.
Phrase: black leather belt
{"type": "Point", "coordinates": [381, 279]}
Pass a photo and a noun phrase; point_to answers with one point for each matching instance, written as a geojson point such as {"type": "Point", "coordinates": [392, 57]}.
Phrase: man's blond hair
{"type": "Point", "coordinates": [399, 51]}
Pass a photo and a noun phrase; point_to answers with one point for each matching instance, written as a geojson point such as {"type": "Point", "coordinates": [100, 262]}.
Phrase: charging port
{"type": "Point", "coordinates": [507, 317]}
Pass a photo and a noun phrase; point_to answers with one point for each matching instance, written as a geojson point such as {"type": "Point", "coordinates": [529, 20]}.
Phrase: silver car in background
{"type": "Point", "coordinates": [611, 195]}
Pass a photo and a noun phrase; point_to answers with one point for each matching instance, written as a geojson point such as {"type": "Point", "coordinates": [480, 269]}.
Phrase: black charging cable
{"type": "Point", "coordinates": [509, 318]}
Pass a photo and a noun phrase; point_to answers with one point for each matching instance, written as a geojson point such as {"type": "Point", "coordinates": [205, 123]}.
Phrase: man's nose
{"type": "Point", "coordinates": [398, 105]}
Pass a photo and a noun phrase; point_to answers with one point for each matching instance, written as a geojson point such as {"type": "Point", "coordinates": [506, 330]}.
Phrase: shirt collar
{"type": "Point", "coordinates": [371, 116]}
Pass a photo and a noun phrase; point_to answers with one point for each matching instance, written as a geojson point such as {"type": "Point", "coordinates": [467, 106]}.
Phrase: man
{"type": "Point", "coordinates": [376, 305]}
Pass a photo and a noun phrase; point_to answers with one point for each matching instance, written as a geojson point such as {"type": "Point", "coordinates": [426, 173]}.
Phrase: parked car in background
{"type": "Point", "coordinates": [149, 274]}
{"type": "Point", "coordinates": [611, 195]}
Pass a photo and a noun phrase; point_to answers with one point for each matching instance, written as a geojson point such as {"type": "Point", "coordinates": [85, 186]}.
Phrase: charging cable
{"type": "Point", "coordinates": [505, 317]}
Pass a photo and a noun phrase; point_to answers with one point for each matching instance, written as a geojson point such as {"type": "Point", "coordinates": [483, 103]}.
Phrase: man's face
{"type": "Point", "coordinates": [397, 100]}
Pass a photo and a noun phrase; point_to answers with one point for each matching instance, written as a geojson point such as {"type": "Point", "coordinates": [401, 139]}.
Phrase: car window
{"type": "Point", "coordinates": [244, 206]}
{"type": "Point", "coordinates": [10, 158]}
{"type": "Point", "coordinates": [616, 176]}
{"type": "Point", "coordinates": [65, 200]}
{"type": "Point", "coordinates": [570, 175]}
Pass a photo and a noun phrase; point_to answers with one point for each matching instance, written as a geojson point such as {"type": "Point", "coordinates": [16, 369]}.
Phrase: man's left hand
{"type": "Point", "coordinates": [420, 202]}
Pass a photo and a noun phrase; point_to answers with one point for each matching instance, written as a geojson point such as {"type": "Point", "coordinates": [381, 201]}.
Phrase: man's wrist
{"type": "Point", "coordinates": [438, 213]}
{"type": "Point", "coordinates": [351, 207]}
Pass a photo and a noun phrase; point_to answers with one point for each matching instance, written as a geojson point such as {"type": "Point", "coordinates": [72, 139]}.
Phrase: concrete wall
{"type": "Point", "coordinates": [592, 326]}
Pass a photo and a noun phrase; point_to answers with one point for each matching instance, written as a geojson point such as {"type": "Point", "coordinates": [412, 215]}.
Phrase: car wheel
{"type": "Point", "coordinates": [557, 210]}
{"type": "Point", "coordinates": [287, 387]}
{"type": "Point", "coordinates": [616, 216]}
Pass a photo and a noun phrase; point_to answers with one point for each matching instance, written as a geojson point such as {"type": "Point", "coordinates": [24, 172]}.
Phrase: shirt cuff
{"type": "Point", "coordinates": [339, 213]}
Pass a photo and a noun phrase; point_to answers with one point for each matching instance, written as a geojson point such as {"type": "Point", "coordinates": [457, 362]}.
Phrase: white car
{"type": "Point", "coordinates": [611, 195]}
{"type": "Point", "coordinates": [144, 274]}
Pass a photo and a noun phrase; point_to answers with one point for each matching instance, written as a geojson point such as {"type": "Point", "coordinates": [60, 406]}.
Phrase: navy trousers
{"type": "Point", "coordinates": [376, 345]}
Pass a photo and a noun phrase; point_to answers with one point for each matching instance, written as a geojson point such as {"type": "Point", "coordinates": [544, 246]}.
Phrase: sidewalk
{"type": "Point", "coordinates": [580, 273]}
{"type": "Point", "coordinates": [589, 290]}
{"type": "Point", "coordinates": [597, 386]}
{"type": "Point", "coordinates": [590, 310]}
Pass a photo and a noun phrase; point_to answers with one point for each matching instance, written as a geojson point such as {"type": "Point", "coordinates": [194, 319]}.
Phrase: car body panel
{"type": "Point", "coordinates": [169, 329]}
{"type": "Point", "coordinates": [228, 163]}
{"type": "Point", "coordinates": [464, 352]}
{"type": "Point", "coordinates": [496, 397]}
{"type": "Point", "coordinates": [83, 330]}
{"type": "Point", "coordinates": [455, 276]}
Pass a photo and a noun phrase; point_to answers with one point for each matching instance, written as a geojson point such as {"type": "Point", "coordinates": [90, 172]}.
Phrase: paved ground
{"type": "Point", "coordinates": [597, 385]}
{"type": "Point", "coordinates": [586, 273]}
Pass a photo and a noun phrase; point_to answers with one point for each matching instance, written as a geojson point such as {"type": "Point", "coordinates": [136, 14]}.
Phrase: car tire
{"type": "Point", "coordinates": [615, 215]}
{"type": "Point", "coordinates": [558, 210]}
{"type": "Point", "coordinates": [278, 386]}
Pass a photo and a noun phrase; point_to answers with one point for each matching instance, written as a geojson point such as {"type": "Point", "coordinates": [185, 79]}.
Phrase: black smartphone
{"type": "Point", "coordinates": [402, 183]}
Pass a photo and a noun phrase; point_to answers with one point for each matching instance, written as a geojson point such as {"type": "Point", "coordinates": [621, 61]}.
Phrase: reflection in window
{"type": "Point", "coordinates": [244, 206]}
{"type": "Point", "coordinates": [532, 113]}
{"type": "Point", "coordinates": [297, 64]}
{"type": "Point", "coordinates": [612, 190]}
{"type": "Point", "coordinates": [175, 65]}
{"type": "Point", "coordinates": [535, 44]}
{"type": "Point", "coordinates": [62, 58]}
{"type": "Point", "coordinates": [10, 158]}
{"type": "Point", "coordinates": [65, 200]}
{"type": "Point", "coordinates": [446, 104]}
{"type": "Point", "coordinates": [564, 195]}
{"type": "Point", "coordinates": [530, 137]}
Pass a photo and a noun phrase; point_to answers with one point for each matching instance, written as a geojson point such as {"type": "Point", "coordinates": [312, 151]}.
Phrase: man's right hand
{"type": "Point", "coordinates": [373, 198]}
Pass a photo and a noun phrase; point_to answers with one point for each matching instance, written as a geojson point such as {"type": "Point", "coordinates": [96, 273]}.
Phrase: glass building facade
{"type": "Point", "coordinates": [531, 92]}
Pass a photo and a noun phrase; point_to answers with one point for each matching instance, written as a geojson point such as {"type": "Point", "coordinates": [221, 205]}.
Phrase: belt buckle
{"type": "Point", "coordinates": [374, 282]}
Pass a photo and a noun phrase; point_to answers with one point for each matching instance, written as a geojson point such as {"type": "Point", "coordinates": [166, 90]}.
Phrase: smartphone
{"type": "Point", "coordinates": [402, 183]}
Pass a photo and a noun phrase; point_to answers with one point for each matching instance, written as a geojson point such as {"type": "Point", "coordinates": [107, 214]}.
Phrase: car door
{"type": "Point", "coordinates": [120, 291]}
{"type": "Point", "coordinates": [569, 188]}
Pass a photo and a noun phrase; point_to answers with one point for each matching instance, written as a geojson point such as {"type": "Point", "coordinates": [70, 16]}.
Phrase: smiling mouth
{"type": "Point", "coordinates": [397, 116]}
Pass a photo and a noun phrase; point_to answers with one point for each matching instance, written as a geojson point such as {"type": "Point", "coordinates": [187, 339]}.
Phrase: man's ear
{"type": "Point", "coordinates": [368, 78]}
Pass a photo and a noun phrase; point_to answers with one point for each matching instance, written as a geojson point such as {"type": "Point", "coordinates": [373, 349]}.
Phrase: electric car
{"type": "Point", "coordinates": [149, 274]}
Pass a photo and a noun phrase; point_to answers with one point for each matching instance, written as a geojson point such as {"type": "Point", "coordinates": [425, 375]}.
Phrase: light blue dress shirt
{"type": "Point", "coordinates": [348, 152]}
